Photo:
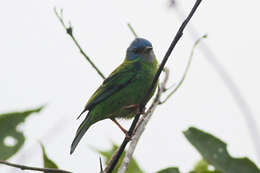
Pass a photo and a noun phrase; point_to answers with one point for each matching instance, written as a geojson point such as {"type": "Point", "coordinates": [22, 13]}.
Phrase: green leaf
{"type": "Point", "coordinates": [203, 167]}
{"type": "Point", "coordinates": [214, 151]}
{"type": "Point", "coordinates": [8, 131]}
{"type": "Point", "coordinates": [133, 165]}
{"type": "Point", "coordinates": [169, 170]}
{"type": "Point", "coordinates": [47, 162]}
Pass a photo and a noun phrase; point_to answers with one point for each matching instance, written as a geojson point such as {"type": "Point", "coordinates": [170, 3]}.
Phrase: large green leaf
{"type": "Point", "coordinates": [214, 151]}
{"type": "Point", "coordinates": [133, 165]}
{"type": "Point", "coordinates": [169, 170]}
{"type": "Point", "coordinates": [8, 131]}
{"type": "Point", "coordinates": [47, 162]}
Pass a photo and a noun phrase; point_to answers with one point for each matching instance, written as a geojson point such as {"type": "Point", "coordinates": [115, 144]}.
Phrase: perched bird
{"type": "Point", "coordinates": [121, 93]}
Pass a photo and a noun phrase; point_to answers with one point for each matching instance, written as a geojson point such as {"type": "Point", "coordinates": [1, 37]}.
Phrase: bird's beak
{"type": "Point", "coordinates": [148, 49]}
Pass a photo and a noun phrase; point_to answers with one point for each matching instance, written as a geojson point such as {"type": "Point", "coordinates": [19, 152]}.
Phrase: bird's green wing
{"type": "Point", "coordinates": [118, 79]}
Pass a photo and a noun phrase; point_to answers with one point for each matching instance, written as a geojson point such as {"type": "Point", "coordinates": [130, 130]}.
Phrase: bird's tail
{"type": "Point", "coordinates": [81, 131]}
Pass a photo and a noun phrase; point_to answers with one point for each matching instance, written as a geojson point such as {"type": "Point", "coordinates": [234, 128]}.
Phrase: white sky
{"type": "Point", "coordinates": [40, 64]}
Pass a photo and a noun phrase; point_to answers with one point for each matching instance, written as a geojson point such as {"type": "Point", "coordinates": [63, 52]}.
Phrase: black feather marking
{"type": "Point", "coordinates": [85, 109]}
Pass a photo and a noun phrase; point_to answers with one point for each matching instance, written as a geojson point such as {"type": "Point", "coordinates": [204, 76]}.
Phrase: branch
{"type": "Point", "coordinates": [186, 70]}
{"type": "Point", "coordinates": [132, 30]}
{"type": "Point", "coordinates": [69, 31]}
{"type": "Point", "coordinates": [235, 92]}
{"type": "Point", "coordinates": [112, 163]}
{"type": "Point", "coordinates": [100, 164]}
{"type": "Point", "coordinates": [142, 124]}
{"type": "Point", "coordinates": [23, 167]}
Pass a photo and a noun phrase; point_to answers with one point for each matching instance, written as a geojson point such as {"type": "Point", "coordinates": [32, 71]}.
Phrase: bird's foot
{"type": "Point", "coordinates": [128, 137]}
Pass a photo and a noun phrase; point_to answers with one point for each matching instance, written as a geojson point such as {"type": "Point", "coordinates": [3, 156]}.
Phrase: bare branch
{"type": "Point", "coordinates": [69, 31]}
{"type": "Point", "coordinates": [142, 124]}
{"type": "Point", "coordinates": [23, 167]}
{"type": "Point", "coordinates": [112, 163]}
{"type": "Point", "coordinates": [100, 163]}
{"type": "Point", "coordinates": [132, 30]}
{"type": "Point", "coordinates": [186, 70]}
{"type": "Point", "coordinates": [235, 92]}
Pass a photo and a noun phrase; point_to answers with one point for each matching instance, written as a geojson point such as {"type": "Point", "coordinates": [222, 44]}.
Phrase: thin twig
{"type": "Point", "coordinates": [69, 31]}
{"type": "Point", "coordinates": [235, 92]}
{"type": "Point", "coordinates": [132, 30]}
{"type": "Point", "coordinates": [100, 164]}
{"type": "Point", "coordinates": [23, 167]}
{"type": "Point", "coordinates": [112, 163]}
{"type": "Point", "coordinates": [186, 70]}
{"type": "Point", "coordinates": [142, 124]}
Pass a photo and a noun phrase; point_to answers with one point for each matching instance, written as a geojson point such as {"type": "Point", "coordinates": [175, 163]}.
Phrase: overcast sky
{"type": "Point", "coordinates": [41, 65]}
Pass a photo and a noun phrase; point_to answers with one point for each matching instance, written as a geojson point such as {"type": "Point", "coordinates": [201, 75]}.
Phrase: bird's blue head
{"type": "Point", "coordinates": [140, 49]}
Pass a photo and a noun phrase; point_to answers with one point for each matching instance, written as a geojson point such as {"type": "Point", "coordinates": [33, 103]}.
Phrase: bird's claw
{"type": "Point", "coordinates": [128, 137]}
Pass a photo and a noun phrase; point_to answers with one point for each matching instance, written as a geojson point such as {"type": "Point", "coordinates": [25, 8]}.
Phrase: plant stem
{"type": "Point", "coordinates": [23, 167]}
{"type": "Point", "coordinates": [69, 31]}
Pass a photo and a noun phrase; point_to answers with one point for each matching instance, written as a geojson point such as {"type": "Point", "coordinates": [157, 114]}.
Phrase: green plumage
{"type": "Point", "coordinates": [126, 85]}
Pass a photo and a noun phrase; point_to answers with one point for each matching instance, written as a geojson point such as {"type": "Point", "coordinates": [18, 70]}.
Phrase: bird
{"type": "Point", "coordinates": [120, 95]}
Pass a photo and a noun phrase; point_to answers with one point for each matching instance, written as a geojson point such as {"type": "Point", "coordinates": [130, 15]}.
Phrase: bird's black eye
{"type": "Point", "coordinates": [137, 50]}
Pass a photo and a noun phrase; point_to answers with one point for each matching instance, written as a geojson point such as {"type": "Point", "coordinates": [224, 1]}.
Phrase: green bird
{"type": "Point", "coordinates": [121, 93]}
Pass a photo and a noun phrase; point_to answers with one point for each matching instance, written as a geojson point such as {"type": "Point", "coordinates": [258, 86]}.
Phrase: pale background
{"type": "Point", "coordinates": [39, 64]}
